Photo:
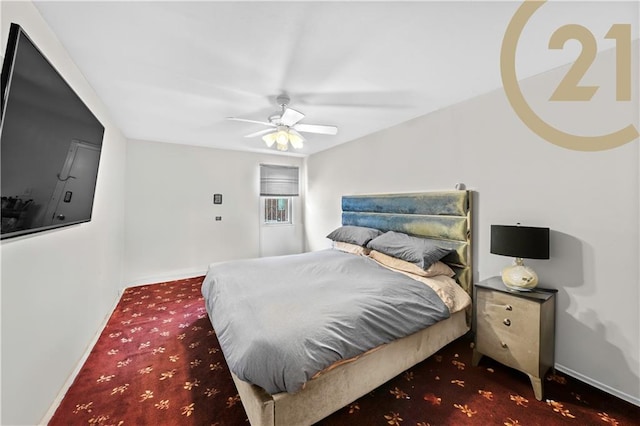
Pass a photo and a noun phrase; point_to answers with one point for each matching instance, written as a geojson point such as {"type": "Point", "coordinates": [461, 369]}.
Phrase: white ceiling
{"type": "Point", "coordinates": [173, 71]}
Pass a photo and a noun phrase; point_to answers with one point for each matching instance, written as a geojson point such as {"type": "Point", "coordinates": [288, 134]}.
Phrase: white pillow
{"type": "Point", "coordinates": [350, 248]}
{"type": "Point", "coordinates": [437, 268]}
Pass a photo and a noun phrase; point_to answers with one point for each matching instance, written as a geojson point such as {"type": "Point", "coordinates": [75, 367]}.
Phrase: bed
{"type": "Point", "coordinates": [444, 217]}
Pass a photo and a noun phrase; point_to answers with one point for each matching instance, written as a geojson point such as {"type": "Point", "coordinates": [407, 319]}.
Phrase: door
{"type": "Point", "coordinates": [72, 199]}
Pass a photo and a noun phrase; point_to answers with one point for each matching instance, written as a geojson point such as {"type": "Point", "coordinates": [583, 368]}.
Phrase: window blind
{"type": "Point", "coordinates": [278, 181]}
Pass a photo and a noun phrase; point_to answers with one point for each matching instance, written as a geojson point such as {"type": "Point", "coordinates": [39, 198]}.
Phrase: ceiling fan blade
{"type": "Point", "coordinates": [266, 123]}
{"type": "Point", "coordinates": [291, 117]}
{"type": "Point", "coordinates": [316, 128]}
{"type": "Point", "coordinates": [261, 132]}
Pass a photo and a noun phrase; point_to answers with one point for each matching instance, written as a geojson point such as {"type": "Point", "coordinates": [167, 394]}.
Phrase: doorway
{"type": "Point", "coordinates": [72, 198]}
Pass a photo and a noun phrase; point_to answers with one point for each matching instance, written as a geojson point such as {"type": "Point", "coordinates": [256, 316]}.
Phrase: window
{"type": "Point", "coordinates": [277, 210]}
{"type": "Point", "coordinates": [277, 185]}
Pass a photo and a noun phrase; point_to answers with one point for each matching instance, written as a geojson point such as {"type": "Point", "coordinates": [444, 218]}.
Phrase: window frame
{"type": "Point", "coordinates": [289, 210]}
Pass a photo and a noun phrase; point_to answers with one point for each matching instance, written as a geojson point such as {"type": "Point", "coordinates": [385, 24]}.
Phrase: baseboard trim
{"type": "Point", "coordinates": [596, 384]}
{"type": "Point", "coordinates": [67, 384]}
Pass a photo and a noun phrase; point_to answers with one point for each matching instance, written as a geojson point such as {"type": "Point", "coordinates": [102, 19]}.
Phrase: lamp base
{"type": "Point", "coordinates": [519, 277]}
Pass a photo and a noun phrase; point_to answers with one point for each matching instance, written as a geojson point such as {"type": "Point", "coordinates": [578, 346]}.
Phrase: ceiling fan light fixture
{"type": "Point", "coordinates": [269, 139]}
{"type": "Point", "coordinates": [282, 137]}
{"type": "Point", "coordinates": [296, 139]}
{"type": "Point", "coordinates": [284, 126]}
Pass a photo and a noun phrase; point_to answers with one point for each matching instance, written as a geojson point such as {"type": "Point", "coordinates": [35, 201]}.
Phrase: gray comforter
{"type": "Point", "coordinates": [282, 319]}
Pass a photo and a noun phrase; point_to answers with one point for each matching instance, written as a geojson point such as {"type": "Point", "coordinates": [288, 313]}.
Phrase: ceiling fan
{"type": "Point", "coordinates": [285, 127]}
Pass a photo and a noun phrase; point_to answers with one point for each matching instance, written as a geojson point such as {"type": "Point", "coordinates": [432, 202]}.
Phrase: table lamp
{"type": "Point", "coordinates": [520, 242]}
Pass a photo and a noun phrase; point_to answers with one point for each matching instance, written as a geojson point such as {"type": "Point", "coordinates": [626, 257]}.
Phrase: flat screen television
{"type": "Point", "coordinates": [50, 144]}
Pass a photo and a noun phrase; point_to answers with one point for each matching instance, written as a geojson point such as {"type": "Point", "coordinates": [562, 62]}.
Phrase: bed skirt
{"type": "Point", "coordinates": [344, 384]}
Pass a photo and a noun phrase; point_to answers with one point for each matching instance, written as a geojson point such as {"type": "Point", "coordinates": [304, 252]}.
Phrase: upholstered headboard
{"type": "Point", "coordinates": [444, 216]}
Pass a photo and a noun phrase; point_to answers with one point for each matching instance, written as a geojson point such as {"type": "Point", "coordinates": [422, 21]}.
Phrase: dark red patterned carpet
{"type": "Point", "coordinates": [158, 362]}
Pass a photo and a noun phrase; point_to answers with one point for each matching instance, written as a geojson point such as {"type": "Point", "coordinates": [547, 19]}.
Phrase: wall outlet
{"type": "Point", "coordinates": [218, 217]}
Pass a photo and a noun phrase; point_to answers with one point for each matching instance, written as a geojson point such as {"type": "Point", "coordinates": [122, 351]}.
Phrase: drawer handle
{"type": "Point", "coordinates": [508, 307]}
{"type": "Point", "coordinates": [503, 344]}
{"type": "Point", "coordinates": [506, 322]}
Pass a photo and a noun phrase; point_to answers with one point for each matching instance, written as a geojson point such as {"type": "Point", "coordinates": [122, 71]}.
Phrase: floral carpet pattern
{"type": "Point", "coordinates": [158, 362]}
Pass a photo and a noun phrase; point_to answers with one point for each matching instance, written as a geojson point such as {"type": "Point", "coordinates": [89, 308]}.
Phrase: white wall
{"type": "Point", "coordinates": [588, 199]}
{"type": "Point", "coordinates": [59, 286]}
{"type": "Point", "coordinates": [282, 239]}
{"type": "Point", "coordinates": [171, 230]}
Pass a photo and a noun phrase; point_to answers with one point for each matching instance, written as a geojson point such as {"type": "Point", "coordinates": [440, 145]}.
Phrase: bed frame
{"type": "Point", "coordinates": [444, 216]}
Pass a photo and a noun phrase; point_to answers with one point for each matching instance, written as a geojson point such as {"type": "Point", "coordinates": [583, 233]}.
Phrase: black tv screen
{"type": "Point", "coordinates": [50, 144]}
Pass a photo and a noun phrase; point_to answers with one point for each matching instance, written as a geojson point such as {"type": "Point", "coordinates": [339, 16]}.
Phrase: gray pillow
{"type": "Point", "coordinates": [420, 251]}
{"type": "Point", "coordinates": [354, 235]}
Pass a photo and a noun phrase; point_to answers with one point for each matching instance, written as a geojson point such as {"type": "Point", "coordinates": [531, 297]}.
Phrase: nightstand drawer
{"type": "Point", "coordinates": [508, 329]}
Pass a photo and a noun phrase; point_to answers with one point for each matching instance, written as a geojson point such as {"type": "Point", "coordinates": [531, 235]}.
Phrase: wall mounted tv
{"type": "Point", "coordinates": [50, 144]}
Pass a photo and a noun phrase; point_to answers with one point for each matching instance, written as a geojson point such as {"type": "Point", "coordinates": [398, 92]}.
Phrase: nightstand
{"type": "Point", "coordinates": [516, 329]}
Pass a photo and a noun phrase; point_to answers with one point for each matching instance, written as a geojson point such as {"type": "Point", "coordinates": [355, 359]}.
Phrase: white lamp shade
{"type": "Point", "coordinates": [282, 137]}
{"type": "Point", "coordinates": [296, 139]}
{"type": "Point", "coordinates": [269, 139]}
